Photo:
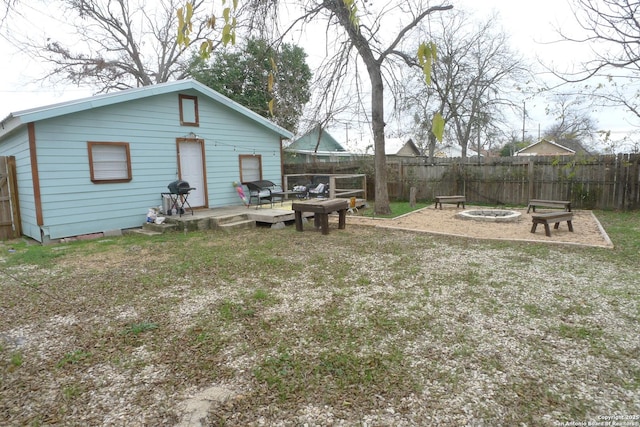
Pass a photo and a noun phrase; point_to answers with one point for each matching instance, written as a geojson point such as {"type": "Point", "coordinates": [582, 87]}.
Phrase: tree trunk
{"type": "Point", "coordinates": [377, 122]}
{"type": "Point", "coordinates": [342, 12]}
{"type": "Point", "coordinates": [432, 147]}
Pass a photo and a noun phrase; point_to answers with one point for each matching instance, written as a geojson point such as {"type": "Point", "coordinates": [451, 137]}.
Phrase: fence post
{"type": "Point", "coordinates": [531, 176]}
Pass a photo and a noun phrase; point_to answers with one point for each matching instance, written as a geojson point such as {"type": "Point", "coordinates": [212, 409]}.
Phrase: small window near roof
{"type": "Point", "coordinates": [109, 162]}
{"type": "Point", "coordinates": [189, 110]}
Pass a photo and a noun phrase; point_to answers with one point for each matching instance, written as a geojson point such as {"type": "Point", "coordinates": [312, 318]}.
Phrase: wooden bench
{"type": "Point", "coordinates": [321, 210]}
{"type": "Point", "coordinates": [550, 218]}
{"type": "Point", "coordinates": [450, 199]}
{"type": "Point", "coordinates": [549, 204]}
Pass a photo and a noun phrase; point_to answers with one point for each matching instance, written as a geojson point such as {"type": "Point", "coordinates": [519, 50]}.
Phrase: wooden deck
{"type": "Point", "coordinates": [233, 216]}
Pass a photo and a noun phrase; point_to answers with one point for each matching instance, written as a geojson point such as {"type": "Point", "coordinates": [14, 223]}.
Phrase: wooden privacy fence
{"type": "Point", "coordinates": [602, 182]}
{"type": "Point", "coordinates": [9, 209]}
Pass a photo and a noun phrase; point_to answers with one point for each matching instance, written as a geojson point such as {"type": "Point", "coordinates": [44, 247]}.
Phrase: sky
{"type": "Point", "coordinates": [531, 26]}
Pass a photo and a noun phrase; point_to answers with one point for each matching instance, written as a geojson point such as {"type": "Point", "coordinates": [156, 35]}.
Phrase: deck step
{"type": "Point", "coordinates": [237, 225]}
{"type": "Point", "coordinates": [229, 219]}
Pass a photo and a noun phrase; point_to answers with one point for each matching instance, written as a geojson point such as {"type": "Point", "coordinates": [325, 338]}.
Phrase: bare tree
{"type": "Point", "coordinates": [573, 127]}
{"type": "Point", "coordinates": [611, 29]}
{"type": "Point", "coordinates": [118, 44]}
{"type": "Point", "coordinates": [7, 6]}
{"type": "Point", "coordinates": [374, 36]}
{"type": "Point", "coordinates": [470, 80]}
{"type": "Point", "coordinates": [613, 23]}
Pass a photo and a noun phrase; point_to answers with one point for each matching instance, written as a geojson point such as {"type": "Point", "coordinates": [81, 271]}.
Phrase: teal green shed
{"type": "Point", "coordinates": [98, 164]}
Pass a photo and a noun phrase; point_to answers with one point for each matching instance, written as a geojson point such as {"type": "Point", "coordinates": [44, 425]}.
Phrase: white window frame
{"type": "Point", "coordinates": [109, 162]}
{"type": "Point", "coordinates": [188, 106]}
{"type": "Point", "coordinates": [250, 167]}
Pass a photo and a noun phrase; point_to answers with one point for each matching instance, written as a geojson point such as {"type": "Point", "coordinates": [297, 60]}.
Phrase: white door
{"type": "Point", "coordinates": [191, 167]}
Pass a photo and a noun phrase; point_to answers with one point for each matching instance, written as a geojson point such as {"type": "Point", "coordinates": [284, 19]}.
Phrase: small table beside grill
{"type": "Point", "coordinates": [321, 210]}
{"type": "Point", "coordinates": [178, 194]}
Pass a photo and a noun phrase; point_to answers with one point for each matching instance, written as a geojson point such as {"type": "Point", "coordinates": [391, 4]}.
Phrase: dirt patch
{"type": "Point", "coordinates": [587, 228]}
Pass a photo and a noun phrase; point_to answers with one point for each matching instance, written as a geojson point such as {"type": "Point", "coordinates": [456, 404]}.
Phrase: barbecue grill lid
{"type": "Point", "coordinates": [179, 186]}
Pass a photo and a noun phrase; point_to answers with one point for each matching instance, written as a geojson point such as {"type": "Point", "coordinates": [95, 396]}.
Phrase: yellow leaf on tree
{"type": "Point", "coordinates": [189, 13]}
{"type": "Point", "coordinates": [437, 126]}
{"type": "Point", "coordinates": [426, 69]}
{"type": "Point", "coordinates": [226, 34]}
{"type": "Point", "coordinates": [270, 82]}
{"type": "Point", "coordinates": [205, 49]}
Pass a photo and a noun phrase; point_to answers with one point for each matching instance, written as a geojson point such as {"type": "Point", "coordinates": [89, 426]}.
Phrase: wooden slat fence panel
{"type": "Point", "coordinates": [603, 182]}
{"type": "Point", "coordinates": [9, 209]}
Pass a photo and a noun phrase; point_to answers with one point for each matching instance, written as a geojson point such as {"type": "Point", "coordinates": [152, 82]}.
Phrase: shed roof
{"type": "Point", "coordinates": [20, 118]}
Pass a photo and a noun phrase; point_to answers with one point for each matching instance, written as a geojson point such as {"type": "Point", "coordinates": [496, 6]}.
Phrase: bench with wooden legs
{"type": "Point", "coordinates": [450, 199]}
{"type": "Point", "coordinates": [533, 203]}
{"type": "Point", "coordinates": [551, 218]}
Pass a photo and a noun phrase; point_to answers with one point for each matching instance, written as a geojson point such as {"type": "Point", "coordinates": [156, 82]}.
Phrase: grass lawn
{"type": "Point", "coordinates": [365, 326]}
{"type": "Point", "coordinates": [397, 209]}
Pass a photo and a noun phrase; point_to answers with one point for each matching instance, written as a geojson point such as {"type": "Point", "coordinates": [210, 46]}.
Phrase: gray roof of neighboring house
{"type": "Point", "coordinates": [307, 143]}
{"type": "Point", "coordinates": [18, 119]}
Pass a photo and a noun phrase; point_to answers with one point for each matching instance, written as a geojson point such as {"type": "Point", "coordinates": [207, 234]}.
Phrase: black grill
{"type": "Point", "coordinates": [180, 187]}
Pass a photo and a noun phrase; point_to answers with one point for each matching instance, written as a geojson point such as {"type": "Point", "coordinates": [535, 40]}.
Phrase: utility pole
{"type": "Point", "coordinates": [524, 116]}
{"type": "Point", "coordinates": [346, 130]}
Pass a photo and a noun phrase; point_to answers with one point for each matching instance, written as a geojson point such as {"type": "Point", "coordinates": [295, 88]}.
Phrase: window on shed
{"type": "Point", "coordinates": [189, 110]}
{"type": "Point", "coordinates": [250, 168]}
{"type": "Point", "coordinates": [109, 162]}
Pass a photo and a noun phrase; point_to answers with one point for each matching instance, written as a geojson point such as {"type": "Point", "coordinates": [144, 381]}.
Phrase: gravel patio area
{"type": "Point", "coordinates": [587, 229]}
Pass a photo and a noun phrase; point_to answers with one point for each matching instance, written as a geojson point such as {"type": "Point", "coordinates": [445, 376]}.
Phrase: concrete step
{"type": "Point", "coordinates": [143, 232]}
{"type": "Point", "coordinates": [159, 228]}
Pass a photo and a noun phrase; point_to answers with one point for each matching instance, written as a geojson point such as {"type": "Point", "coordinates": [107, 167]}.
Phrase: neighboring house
{"type": "Point", "coordinates": [98, 164]}
{"type": "Point", "coordinates": [399, 147]}
{"type": "Point", "coordinates": [545, 148]}
{"type": "Point", "coordinates": [452, 151]}
{"type": "Point", "coordinates": [316, 146]}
